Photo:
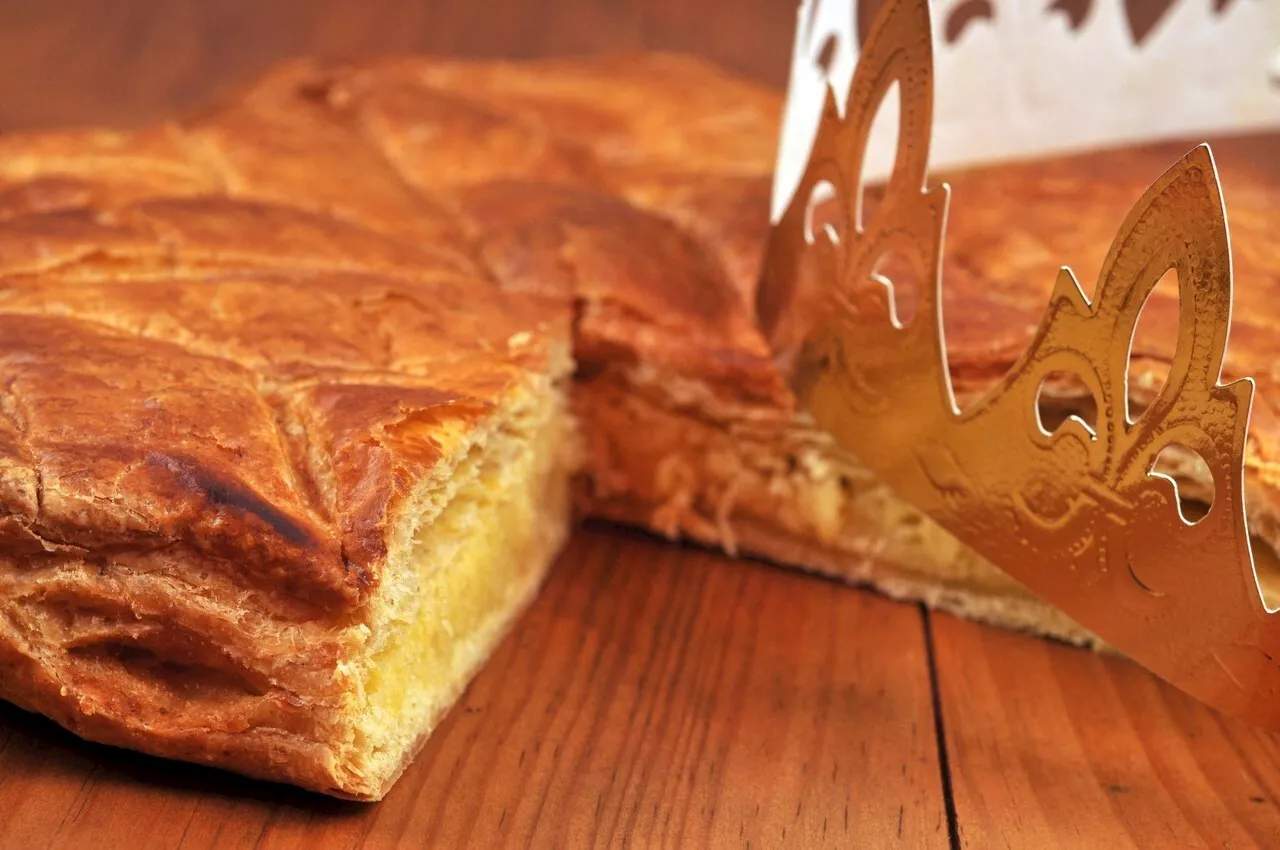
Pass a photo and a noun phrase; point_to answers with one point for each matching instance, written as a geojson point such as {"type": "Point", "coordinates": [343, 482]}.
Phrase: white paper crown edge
{"type": "Point", "coordinates": [1026, 84]}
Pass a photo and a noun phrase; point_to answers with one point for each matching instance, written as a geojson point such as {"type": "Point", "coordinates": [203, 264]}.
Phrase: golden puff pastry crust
{"type": "Point", "coordinates": [278, 372]}
{"type": "Point", "coordinates": [227, 428]}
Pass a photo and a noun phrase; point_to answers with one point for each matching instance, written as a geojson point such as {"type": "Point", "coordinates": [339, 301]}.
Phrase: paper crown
{"type": "Point", "coordinates": [1077, 515]}
{"type": "Point", "coordinates": [1141, 69]}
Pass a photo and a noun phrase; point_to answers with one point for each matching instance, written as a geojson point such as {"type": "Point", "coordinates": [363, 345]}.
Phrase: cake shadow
{"type": "Point", "coordinates": [33, 748]}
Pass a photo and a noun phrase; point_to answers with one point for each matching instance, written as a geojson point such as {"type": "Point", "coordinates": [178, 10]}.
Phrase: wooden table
{"type": "Point", "coordinates": [654, 694]}
{"type": "Point", "coordinates": [659, 695]}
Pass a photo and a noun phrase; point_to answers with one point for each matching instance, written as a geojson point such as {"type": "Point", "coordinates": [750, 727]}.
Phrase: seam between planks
{"type": "Point", "coordinates": [940, 730]}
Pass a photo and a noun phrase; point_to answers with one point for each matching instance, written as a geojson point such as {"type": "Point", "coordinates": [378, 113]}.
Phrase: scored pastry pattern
{"type": "Point", "coordinates": [218, 335]}
{"type": "Point", "coordinates": [314, 247]}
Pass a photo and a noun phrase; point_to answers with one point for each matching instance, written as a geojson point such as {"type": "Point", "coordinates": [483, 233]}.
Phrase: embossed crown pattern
{"type": "Point", "coordinates": [1079, 515]}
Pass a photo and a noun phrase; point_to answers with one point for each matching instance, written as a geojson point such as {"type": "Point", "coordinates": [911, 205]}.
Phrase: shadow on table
{"type": "Point", "coordinates": [32, 746]}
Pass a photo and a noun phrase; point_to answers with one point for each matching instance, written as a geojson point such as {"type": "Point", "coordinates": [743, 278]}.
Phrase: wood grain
{"type": "Point", "coordinates": [132, 61]}
{"type": "Point", "coordinates": [1052, 746]}
{"type": "Point", "coordinates": [127, 62]}
{"type": "Point", "coordinates": [653, 696]}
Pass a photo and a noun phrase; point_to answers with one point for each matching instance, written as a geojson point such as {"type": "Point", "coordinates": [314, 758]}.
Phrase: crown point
{"type": "Point", "coordinates": [1067, 288]}
{"type": "Point", "coordinates": [1198, 162]}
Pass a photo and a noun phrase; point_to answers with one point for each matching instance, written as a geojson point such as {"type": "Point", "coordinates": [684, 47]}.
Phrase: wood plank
{"type": "Point", "coordinates": [1052, 746]}
{"type": "Point", "coordinates": [130, 62]}
{"type": "Point", "coordinates": [654, 695]}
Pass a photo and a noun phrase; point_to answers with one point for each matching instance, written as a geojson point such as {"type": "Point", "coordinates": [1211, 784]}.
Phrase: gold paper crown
{"type": "Point", "coordinates": [1078, 516]}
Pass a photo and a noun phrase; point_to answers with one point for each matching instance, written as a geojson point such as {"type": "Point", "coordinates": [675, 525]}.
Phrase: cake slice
{"type": "Point", "coordinates": [636, 188]}
{"type": "Point", "coordinates": [599, 185]}
{"type": "Point", "coordinates": [272, 485]}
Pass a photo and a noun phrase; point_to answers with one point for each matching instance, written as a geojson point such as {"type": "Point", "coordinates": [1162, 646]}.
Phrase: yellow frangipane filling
{"type": "Point", "coordinates": [473, 565]}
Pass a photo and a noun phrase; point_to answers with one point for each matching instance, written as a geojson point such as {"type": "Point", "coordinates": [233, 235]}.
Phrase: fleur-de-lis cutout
{"type": "Point", "coordinates": [1142, 16]}
{"type": "Point", "coordinates": [1080, 514]}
